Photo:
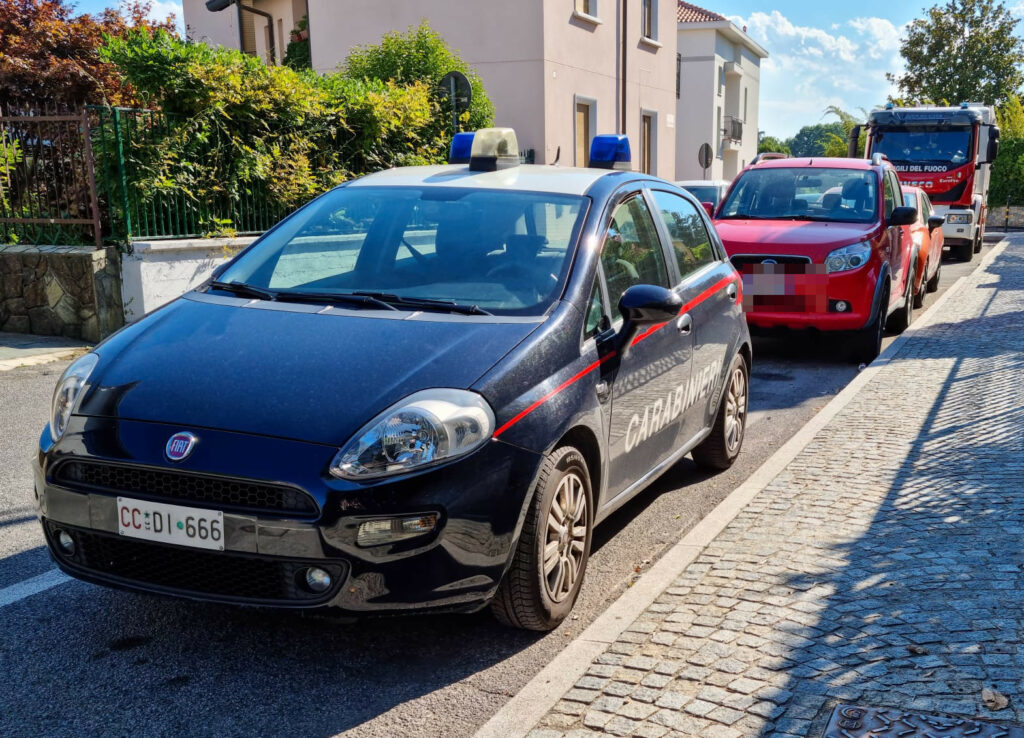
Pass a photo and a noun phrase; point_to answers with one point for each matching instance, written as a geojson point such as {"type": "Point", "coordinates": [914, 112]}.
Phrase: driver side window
{"type": "Point", "coordinates": [632, 252]}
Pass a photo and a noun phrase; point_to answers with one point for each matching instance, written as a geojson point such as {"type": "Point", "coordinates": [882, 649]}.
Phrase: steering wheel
{"type": "Point", "coordinates": [519, 276]}
{"type": "Point", "coordinates": [628, 268]}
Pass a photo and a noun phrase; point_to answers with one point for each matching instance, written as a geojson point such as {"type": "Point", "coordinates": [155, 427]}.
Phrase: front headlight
{"type": "Point", "coordinates": [426, 428]}
{"type": "Point", "coordinates": [68, 392]}
{"type": "Point", "coordinates": [848, 257]}
{"type": "Point", "coordinates": [960, 218]}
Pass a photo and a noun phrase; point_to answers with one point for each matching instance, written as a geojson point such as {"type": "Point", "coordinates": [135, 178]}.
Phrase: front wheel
{"type": "Point", "coordinates": [720, 449]}
{"type": "Point", "coordinates": [542, 584]}
{"type": "Point", "coordinates": [900, 320]}
{"type": "Point", "coordinates": [933, 283]}
{"type": "Point", "coordinates": [867, 342]}
{"type": "Point", "coordinates": [979, 241]}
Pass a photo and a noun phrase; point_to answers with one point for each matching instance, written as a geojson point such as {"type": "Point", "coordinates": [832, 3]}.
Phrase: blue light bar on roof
{"type": "Point", "coordinates": [462, 147]}
{"type": "Point", "coordinates": [610, 151]}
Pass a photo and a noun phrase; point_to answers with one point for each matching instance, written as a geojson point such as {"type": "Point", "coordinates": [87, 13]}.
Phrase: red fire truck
{"type": "Point", "coordinates": [947, 152]}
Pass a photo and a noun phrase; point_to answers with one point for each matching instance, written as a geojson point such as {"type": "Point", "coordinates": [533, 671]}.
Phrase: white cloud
{"type": "Point", "coordinates": [811, 68]}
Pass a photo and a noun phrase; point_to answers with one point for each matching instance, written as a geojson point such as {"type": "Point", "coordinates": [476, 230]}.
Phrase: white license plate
{"type": "Point", "coordinates": [183, 526]}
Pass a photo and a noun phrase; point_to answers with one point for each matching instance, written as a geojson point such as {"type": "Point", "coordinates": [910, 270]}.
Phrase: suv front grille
{"type": "Point", "coordinates": [790, 264]}
{"type": "Point", "coordinates": [227, 577]}
{"type": "Point", "coordinates": [173, 486]}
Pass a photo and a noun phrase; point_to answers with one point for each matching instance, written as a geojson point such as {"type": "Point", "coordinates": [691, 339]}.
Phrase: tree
{"type": "Point", "coordinates": [838, 145]}
{"type": "Point", "coordinates": [770, 143]}
{"type": "Point", "coordinates": [963, 50]}
{"type": "Point", "coordinates": [812, 140]}
{"type": "Point", "coordinates": [1010, 116]}
{"type": "Point", "coordinates": [48, 56]}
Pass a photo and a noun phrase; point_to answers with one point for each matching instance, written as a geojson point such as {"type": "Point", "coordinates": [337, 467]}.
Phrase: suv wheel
{"type": "Point", "coordinates": [900, 320]}
{"type": "Point", "coordinates": [720, 449]}
{"type": "Point", "coordinates": [867, 342]}
{"type": "Point", "coordinates": [933, 283]}
{"type": "Point", "coordinates": [919, 295]}
{"type": "Point", "coordinates": [541, 586]}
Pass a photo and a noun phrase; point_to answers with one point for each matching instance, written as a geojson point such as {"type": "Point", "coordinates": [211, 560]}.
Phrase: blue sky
{"type": "Point", "coordinates": [822, 52]}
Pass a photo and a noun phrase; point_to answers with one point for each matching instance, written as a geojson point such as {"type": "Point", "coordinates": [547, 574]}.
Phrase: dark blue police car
{"type": "Point", "coordinates": [419, 392]}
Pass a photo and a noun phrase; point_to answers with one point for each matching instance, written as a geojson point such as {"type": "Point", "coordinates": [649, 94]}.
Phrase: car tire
{"type": "Point", "coordinates": [964, 251]}
{"type": "Point", "coordinates": [900, 320]}
{"type": "Point", "coordinates": [719, 450]}
{"type": "Point", "coordinates": [867, 342]}
{"type": "Point", "coordinates": [530, 597]}
{"type": "Point", "coordinates": [979, 241]}
{"type": "Point", "coordinates": [919, 294]}
{"type": "Point", "coordinates": [933, 283]}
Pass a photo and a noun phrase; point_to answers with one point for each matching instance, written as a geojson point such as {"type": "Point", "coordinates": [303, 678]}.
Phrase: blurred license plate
{"type": "Point", "coordinates": [783, 279]}
{"type": "Point", "coordinates": [183, 526]}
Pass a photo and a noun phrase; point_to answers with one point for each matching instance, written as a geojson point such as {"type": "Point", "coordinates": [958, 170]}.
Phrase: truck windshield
{"type": "Point", "coordinates": [905, 146]}
{"type": "Point", "coordinates": [802, 193]}
{"type": "Point", "coordinates": [443, 248]}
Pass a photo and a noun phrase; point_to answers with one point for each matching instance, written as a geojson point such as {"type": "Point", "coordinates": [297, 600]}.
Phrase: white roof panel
{"type": "Point", "coordinates": [528, 177]}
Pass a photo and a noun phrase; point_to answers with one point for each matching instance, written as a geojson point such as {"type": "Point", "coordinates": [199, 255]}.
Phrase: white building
{"type": "Point", "coordinates": [719, 87]}
{"type": "Point", "coordinates": [558, 71]}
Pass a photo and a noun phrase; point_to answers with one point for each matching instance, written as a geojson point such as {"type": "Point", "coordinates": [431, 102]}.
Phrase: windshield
{"type": "Point", "coordinates": [703, 193]}
{"type": "Point", "coordinates": [803, 193]}
{"type": "Point", "coordinates": [922, 147]}
{"type": "Point", "coordinates": [506, 252]}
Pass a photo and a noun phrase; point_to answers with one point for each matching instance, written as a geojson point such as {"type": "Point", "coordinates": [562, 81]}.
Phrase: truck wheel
{"type": "Point", "coordinates": [719, 450]}
{"type": "Point", "coordinates": [964, 251]}
{"type": "Point", "coordinates": [900, 320]}
{"type": "Point", "coordinates": [541, 586]}
{"type": "Point", "coordinates": [867, 342]}
{"type": "Point", "coordinates": [979, 241]}
{"type": "Point", "coordinates": [933, 283]}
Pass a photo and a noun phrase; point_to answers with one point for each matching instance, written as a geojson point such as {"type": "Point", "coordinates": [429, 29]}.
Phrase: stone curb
{"type": "Point", "coordinates": [521, 713]}
{"type": "Point", "coordinates": [34, 359]}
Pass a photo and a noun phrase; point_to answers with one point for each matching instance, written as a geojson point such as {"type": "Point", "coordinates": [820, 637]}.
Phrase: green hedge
{"type": "Point", "coordinates": [1008, 174]}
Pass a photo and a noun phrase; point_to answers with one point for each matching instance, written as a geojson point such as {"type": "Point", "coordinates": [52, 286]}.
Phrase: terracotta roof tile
{"type": "Point", "coordinates": [688, 13]}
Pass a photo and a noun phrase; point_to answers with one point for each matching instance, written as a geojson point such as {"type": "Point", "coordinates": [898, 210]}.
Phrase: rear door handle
{"type": "Point", "coordinates": [731, 290]}
{"type": "Point", "coordinates": [684, 324]}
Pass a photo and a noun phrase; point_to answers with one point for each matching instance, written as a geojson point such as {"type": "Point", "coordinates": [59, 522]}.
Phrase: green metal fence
{"type": "Point", "coordinates": [130, 145]}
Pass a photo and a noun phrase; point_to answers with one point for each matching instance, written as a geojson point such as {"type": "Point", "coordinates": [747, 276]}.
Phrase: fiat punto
{"type": "Point", "coordinates": [421, 391]}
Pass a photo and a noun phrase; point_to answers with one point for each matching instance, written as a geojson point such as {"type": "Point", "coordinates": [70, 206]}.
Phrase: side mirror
{"type": "Point", "coordinates": [644, 305]}
{"type": "Point", "coordinates": [709, 208]}
{"type": "Point", "coordinates": [902, 216]}
{"type": "Point", "coordinates": [934, 222]}
{"type": "Point", "coordinates": [993, 144]}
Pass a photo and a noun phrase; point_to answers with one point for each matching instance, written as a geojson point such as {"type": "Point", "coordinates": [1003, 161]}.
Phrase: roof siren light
{"type": "Point", "coordinates": [964, 106]}
{"type": "Point", "coordinates": [493, 149]}
{"type": "Point", "coordinates": [462, 147]}
{"type": "Point", "coordinates": [890, 105]}
{"type": "Point", "coordinates": [610, 151]}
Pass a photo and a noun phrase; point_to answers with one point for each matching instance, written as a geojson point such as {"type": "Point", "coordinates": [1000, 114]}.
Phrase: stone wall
{"type": "Point", "coordinates": [71, 291]}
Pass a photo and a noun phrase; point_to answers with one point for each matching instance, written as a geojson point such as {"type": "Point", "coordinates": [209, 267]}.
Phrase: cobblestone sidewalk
{"type": "Point", "coordinates": [883, 566]}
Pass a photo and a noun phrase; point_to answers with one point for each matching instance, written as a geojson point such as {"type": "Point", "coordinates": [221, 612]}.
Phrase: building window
{"type": "Point", "coordinates": [721, 76]}
{"type": "Point", "coordinates": [718, 130]}
{"type": "Point", "coordinates": [646, 143]}
{"type": "Point", "coordinates": [745, 90]}
{"type": "Point", "coordinates": [647, 21]}
{"type": "Point", "coordinates": [584, 117]}
{"type": "Point", "coordinates": [679, 73]}
{"type": "Point", "coordinates": [587, 7]}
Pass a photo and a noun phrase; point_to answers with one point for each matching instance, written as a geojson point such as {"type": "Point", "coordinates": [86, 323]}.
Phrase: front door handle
{"type": "Point", "coordinates": [731, 290]}
{"type": "Point", "coordinates": [684, 324]}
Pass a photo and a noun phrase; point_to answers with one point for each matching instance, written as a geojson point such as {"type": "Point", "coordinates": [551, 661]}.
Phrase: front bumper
{"type": "Point", "coordinates": [810, 301]}
{"type": "Point", "coordinates": [479, 501]}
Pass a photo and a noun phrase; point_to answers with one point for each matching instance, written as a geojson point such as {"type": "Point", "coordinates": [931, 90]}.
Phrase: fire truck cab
{"type": "Point", "coordinates": [947, 152]}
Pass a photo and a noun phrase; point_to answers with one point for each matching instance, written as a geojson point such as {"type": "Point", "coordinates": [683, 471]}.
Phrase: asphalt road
{"type": "Point", "coordinates": [78, 659]}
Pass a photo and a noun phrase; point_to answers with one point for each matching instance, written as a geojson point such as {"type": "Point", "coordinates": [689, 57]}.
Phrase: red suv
{"type": "Point", "coordinates": [824, 244]}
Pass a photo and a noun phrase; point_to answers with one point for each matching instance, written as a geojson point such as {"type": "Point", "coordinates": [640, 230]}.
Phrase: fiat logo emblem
{"type": "Point", "coordinates": [180, 446]}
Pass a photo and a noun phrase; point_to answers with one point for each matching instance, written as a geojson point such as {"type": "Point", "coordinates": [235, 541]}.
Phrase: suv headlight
{"type": "Point", "coordinates": [960, 218]}
{"type": "Point", "coordinates": [426, 428]}
{"type": "Point", "coordinates": [68, 392]}
{"type": "Point", "coordinates": [848, 257]}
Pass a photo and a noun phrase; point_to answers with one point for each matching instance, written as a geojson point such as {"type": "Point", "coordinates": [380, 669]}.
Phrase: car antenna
{"type": "Point", "coordinates": [558, 155]}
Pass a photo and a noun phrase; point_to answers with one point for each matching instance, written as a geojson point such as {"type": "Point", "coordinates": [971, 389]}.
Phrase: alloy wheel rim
{"type": "Point", "coordinates": [566, 537]}
{"type": "Point", "coordinates": [735, 409]}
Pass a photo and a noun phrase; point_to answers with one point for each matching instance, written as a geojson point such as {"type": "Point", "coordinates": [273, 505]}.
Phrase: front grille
{"type": "Point", "coordinates": [790, 264]}
{"type": "Point", "coordinates": [173, 486]}
{"type": "Point", "coordinates": [214, 575]}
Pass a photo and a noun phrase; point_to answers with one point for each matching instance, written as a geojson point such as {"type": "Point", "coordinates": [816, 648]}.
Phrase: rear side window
{"type": "Point", "coordinates": [632, 252]}
{"type": "Point", "coordinates": [891, 194]}
{"type": "Point", "coordinates": [690, 240]}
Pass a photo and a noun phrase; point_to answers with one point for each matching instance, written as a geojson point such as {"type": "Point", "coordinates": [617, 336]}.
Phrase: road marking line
{"type": "Point", "coordinates": [35, 585]}
{"type": "Point", "coordinates": [519, 715]}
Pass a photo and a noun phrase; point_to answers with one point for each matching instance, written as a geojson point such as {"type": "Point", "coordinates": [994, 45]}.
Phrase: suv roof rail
{"type": "Point", "coordinates": [877, 159]}
{"type": "Point", "coordinates": [768, 156]}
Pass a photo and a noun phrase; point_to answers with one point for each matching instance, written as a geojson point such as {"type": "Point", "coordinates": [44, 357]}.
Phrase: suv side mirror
{"type": "Point", "coordinates": [709, 208]}
{"type": "Point", "coordinates": [934, 222]}
{"type": "Point", "coordinates": [644, 305]}
{"type": "Point", "coordinates": [902, 216]}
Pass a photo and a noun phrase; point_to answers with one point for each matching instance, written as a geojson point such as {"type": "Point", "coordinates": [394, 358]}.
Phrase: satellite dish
{"type": "Point", "coordinates": [705, 155]}
{"type": "Point", "coordinates": [455, 86]}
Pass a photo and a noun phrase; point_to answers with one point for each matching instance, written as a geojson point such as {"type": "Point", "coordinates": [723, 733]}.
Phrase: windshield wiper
{"type": "Point", "coordinates": [745, 216]}
{"type": "Point", "coordinates": [247, 290]}
{"type": "Point", "coordinates": [347, 298]}
{"type": "Point", "coordinates": [426, 303]}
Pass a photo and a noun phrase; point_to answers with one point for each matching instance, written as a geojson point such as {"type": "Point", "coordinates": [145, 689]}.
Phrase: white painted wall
{"type": "Point", "coordinates": [159, 271]}
{"type": "Point", "coordinates": [215, 29]}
